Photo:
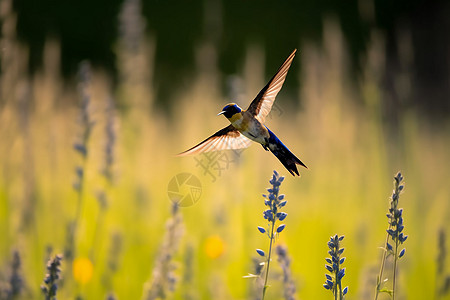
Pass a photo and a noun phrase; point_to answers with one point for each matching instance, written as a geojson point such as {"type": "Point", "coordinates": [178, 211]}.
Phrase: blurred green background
{"type": "Point", "coordinates": [97, 98]}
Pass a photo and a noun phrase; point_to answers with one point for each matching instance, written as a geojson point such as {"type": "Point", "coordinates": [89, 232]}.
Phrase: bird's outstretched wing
{"type": "Point", "coordinates": [262, 104]}
{"type": "Point", "coordinates": [226, 138]}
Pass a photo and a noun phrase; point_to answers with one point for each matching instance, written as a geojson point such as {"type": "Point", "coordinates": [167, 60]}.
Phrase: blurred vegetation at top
{"type": "Point", "coordinates": [93, 111]}
{"type": "Point", "coordinates": [414, 34]}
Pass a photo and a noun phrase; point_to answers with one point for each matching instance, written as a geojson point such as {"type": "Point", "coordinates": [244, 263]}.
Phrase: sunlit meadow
{"type": "Point", "coordinates": [129, 242]}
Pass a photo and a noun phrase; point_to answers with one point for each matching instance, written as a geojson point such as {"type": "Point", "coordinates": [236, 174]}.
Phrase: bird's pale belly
{"type": "Point", "coordinates": [254, 130]}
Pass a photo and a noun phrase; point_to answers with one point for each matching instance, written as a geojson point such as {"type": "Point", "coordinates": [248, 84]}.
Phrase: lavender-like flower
{"type": "Point", "coordinates": [81, 147]}
{"type": "Point", "coordinates": [51, 278]}
{"type": "Point", "coordinates": [13, 285]}
{"type": "Point", "coordinates": [333, 282]}
{"type": "Point", "coordinates": [394, 234]}
{"type": "Point", "coordinates": [164, 280]}
{"type": "Point", "coordinates": [16, 280]}
{"type": "Point", "coordinates": [288, 281]}
{"type": "Point", "coordinates": [442, 278]}
{"type": "Point", "coordinates": [272, 214]}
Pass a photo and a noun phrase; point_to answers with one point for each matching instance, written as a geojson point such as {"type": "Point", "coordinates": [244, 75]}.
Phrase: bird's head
{"type": "Point", "coordinates": [230, 110]}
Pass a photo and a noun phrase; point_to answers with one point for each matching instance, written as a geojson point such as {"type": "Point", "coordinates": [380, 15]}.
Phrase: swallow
{"type": "Point", "coordinates": [248, 125]}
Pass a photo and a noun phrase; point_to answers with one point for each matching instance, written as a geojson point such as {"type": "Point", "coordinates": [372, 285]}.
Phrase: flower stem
{"type": "Point", "coordinates": [268, 259]}
{"type": "Point", "coordinates": [395, 269]}
{"type": "Point", "coordinates": [380, 275]}
{"type": "Point", "coordinates": [78, 212]}
{"type": "Point", "coordinates": [335, 292]}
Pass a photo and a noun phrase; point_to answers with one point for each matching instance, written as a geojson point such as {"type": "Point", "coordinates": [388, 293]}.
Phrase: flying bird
{"type": "Point", "coordinates": [248, 125]}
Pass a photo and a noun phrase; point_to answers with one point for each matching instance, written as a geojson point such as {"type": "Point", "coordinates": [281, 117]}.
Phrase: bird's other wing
{"type": "Point", "coordinates": [226, 138]}
{"type": "Point", "coordinates": [262, 104]}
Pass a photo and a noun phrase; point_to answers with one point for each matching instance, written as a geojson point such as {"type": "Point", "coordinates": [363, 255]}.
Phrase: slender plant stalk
{"type": "Point", "coordinates": [97, 230]}
{"type": "Point", "coordinates": [268, 260]}
{"type": "Point", "coordinates": [335, 293]}
{"type": "Point", "coordinates": [79, 208]}
{"type": "Point", "coordinates": [380, 275]}
{"type": "Point", "coordinates": [82, 148]}
{"type": "Point", "coordinates": [395, 232]}
{"type": "Point", "coordinates": [394, 269]}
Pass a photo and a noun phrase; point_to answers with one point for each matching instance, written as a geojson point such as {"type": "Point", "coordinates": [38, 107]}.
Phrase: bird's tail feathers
{"type": "Point", "coordinates": [284, 155]}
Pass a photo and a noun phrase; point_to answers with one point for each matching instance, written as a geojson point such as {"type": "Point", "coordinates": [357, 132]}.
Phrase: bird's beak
{"type": "Point", "coordinates": [222, 112]}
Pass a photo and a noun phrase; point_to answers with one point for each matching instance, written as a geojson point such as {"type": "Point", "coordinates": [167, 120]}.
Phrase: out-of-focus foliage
{"type": "Point", "coordinates": [90, 30]}
{"type": "Point", "coordinates": [125, 218]}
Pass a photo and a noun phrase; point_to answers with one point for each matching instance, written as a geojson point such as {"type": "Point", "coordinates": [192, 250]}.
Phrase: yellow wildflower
{"type": "Point", "coordinates": [82, 270]}
{"type": "Point", "coordinates": [214, 246]}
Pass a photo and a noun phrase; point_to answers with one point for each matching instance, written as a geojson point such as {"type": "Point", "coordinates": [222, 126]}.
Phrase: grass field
{"type": "Point", "coordinates": [125, 239]}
